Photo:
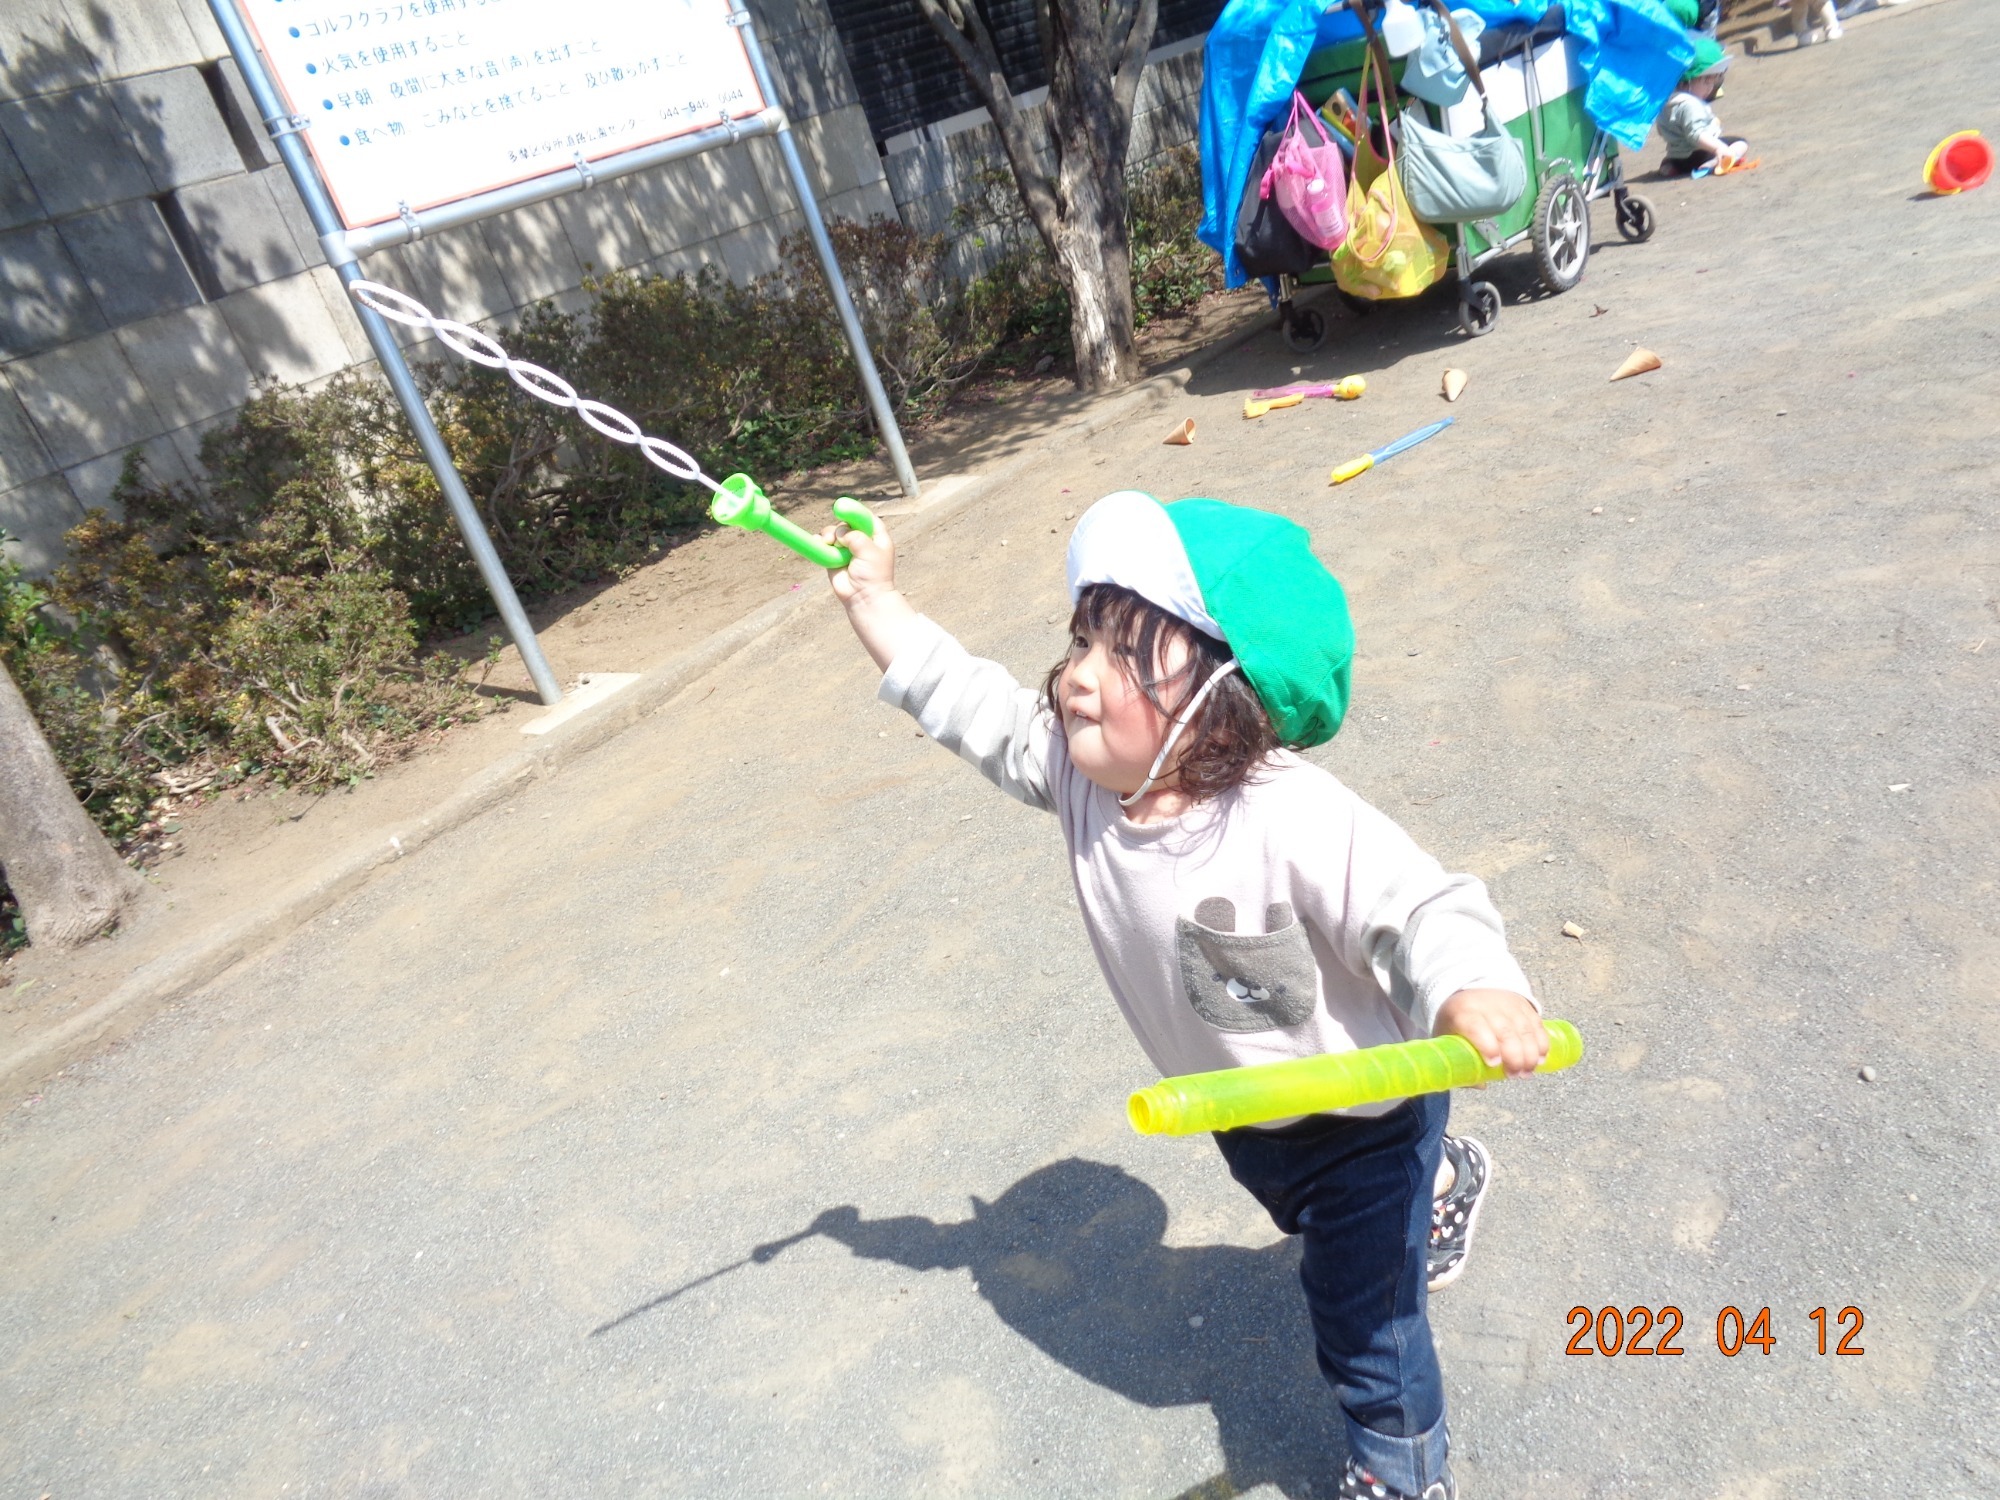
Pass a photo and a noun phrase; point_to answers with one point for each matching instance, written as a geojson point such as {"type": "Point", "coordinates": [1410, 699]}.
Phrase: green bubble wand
{"type": "Point", "coordinates": [1232, 1097]}
{"type": "Point", "coordinates": [739, 502]}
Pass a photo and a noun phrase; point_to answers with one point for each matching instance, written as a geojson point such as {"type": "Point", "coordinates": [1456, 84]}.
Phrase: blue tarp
{"type": "Point", "coordinates": [1255, 56]}
{"type": "Point", "coordinates": [1631, 52]}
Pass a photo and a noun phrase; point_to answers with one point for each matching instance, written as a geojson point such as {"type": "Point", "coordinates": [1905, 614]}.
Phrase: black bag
{"type": "Point", "coordinates": [1266, 243]}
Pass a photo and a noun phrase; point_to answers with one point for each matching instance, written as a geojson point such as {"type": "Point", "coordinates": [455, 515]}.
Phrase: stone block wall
{"type": "Point", "coordinates": [155, 261]}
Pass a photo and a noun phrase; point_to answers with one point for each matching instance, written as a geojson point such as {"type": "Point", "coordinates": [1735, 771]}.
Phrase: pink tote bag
{"type": "Point", "coordinates": [1309, 178]}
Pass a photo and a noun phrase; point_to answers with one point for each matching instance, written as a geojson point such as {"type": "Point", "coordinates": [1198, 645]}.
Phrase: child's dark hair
{"type": "Point", "coordinates": [1230, 734]}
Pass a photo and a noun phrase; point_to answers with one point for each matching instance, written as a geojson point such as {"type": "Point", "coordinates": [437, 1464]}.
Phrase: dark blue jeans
{"type": "Point", "coordinates": [1358, 1193]}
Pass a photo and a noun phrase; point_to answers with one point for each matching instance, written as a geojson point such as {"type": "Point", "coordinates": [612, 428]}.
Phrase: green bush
{"type": "Point", "coordinates": [1171, 269]}
{"type": "Point", "coordinates": [245, 620]}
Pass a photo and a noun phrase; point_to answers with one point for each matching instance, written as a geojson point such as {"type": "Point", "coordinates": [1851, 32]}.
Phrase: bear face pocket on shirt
{"type": "Point", "coordinates": [1242, 981]}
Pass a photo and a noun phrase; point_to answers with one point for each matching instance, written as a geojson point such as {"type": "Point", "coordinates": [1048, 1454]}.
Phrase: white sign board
{"type": "Point", "coordinates": [422, 102]}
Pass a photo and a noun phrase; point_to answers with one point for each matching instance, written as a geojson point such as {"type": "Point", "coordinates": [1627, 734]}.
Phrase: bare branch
{"type": "Point", "coordinates": [1118, 18]}
{"type": "Point", "coordinates": [958, 25]}
{"type": "Point", "coordinates": [1045, 36]}
{"type": "Point", "coordinates": [1129, 49]}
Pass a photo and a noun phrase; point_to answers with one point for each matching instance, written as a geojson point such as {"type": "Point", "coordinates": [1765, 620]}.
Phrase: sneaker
{"type": "Point", "coordinates": [1833, 30]}
{"type": "Point", "coordinates": [1456, 1214]}
{"type": "Point", "coordinates": [1358, 1484]}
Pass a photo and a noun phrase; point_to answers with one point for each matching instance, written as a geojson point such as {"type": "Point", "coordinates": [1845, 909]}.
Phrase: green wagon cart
{"type": "Point", "coordinates": [1537, 91]}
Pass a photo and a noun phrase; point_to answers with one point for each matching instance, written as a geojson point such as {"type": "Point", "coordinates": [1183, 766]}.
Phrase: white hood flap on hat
{"type": "Point", "coordinates": [1127, 538]}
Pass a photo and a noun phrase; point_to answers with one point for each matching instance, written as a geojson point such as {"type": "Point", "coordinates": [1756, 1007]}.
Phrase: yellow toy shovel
{"type": "Point", "coordinates": [1253, 409]}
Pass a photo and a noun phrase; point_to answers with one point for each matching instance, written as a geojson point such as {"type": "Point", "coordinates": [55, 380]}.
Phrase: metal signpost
{"type": "Point", "coordinates": [398, 118]}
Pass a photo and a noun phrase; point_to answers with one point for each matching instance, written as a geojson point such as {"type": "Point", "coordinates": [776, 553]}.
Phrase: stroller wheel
{"type": "Point", "coordinates": [1562, 233]}
{"type": "Point", "coordinates": [1635, 218]}
{"type": "Point", "coordinates": [1478, 308]}
{"type": "Point", "coordinates": [1305, 331]}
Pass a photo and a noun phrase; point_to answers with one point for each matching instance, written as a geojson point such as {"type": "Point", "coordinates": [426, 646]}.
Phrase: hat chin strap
{"type": "Point", "coordinates": [1181, 722]}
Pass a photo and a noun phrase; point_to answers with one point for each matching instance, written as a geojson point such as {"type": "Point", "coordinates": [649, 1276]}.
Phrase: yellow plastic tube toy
{"type": "Point", "coordinates": [1223, 1100]}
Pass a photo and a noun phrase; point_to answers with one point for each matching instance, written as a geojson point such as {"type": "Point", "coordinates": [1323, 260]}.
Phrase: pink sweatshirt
{"type": "Point", "coordinates": [1284, 918]}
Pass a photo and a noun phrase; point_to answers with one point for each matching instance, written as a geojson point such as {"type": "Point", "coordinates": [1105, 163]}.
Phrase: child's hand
{"type": "Point", "coordinates": [872, 568]}
{"type": "Point", "coordinates": [881, 617]}
{"type": "Point", "coordinates": [1503, 1027]}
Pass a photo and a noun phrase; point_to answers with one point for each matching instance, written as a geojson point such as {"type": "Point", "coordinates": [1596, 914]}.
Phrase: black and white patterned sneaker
{"type": "Point", "coordinates": [1456, 1214]}
{"type": "Point", "coordinates": [1358, 1484]}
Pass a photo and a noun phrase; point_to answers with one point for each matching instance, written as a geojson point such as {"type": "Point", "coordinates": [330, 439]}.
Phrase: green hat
{"type": "Point", "coordinates": [1247, 578]}
{"type": "Point", "coordinates": [1708, 58]}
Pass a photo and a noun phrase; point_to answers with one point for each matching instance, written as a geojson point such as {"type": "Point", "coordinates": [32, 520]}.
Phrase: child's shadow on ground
{"type": "Point", "coordinates": [1071, 1258]}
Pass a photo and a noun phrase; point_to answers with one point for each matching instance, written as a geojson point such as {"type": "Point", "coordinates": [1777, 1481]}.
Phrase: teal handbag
{"type": "Point", "coordinates": [1455, 179]}
{"type": "Point", "coordinates": [1434, 74]}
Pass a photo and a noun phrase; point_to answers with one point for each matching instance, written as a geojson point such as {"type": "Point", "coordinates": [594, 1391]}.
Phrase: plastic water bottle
{"type": "Point", "coordinates": [1402, 28]}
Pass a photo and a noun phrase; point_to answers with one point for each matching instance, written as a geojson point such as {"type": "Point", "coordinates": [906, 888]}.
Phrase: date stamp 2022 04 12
{"type": "Point", "coordinates": [1609, 1331]}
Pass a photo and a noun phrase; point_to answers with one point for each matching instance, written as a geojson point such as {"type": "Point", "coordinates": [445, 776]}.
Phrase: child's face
{"type": "Point", "coordinates": [1113, 728]}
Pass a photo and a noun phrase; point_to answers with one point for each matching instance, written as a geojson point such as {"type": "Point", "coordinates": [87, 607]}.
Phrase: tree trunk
{"type": "Point", "coordinates": [1095, 51]}
{"type": "Point", "coordinates": [1094, 258]}
{"type": "Point", "coordinates": [70, 882]}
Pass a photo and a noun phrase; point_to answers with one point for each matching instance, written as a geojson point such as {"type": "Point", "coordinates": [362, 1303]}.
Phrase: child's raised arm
{"type": "Point", "coordinates": [971, 706]}
{"type": "Point", "coordinates": [876, 609]}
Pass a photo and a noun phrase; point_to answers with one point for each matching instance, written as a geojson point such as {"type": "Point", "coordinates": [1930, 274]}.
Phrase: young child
{"type": "Point", "coordinates": [1243, 905]}
{"type": "Point", "coordinates": [1688, 125]}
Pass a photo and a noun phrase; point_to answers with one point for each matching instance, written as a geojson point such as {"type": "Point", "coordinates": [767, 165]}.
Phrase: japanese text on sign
{"type": "Point", "coordinates": [428, 101]}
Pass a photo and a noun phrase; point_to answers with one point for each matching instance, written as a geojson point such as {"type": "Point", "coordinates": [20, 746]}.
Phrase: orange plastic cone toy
{"type": "Point", "coordinates": [1638, 362]}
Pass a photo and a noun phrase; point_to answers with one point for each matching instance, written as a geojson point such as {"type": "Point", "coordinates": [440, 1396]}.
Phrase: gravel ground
{"type": "Point", "coordinates": [740, 1114]}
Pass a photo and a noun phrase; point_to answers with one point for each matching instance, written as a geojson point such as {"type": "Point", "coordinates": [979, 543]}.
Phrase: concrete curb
{"type": "Point", "coordinates": [206, 956]}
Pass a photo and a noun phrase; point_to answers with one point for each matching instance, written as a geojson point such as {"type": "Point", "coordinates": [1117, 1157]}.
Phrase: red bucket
{"type": "Point", "coordinates": [1961, 161]}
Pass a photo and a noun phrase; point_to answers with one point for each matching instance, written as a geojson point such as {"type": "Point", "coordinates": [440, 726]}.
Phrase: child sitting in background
{"type": "Point", "coordinates": [1688, 125]}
